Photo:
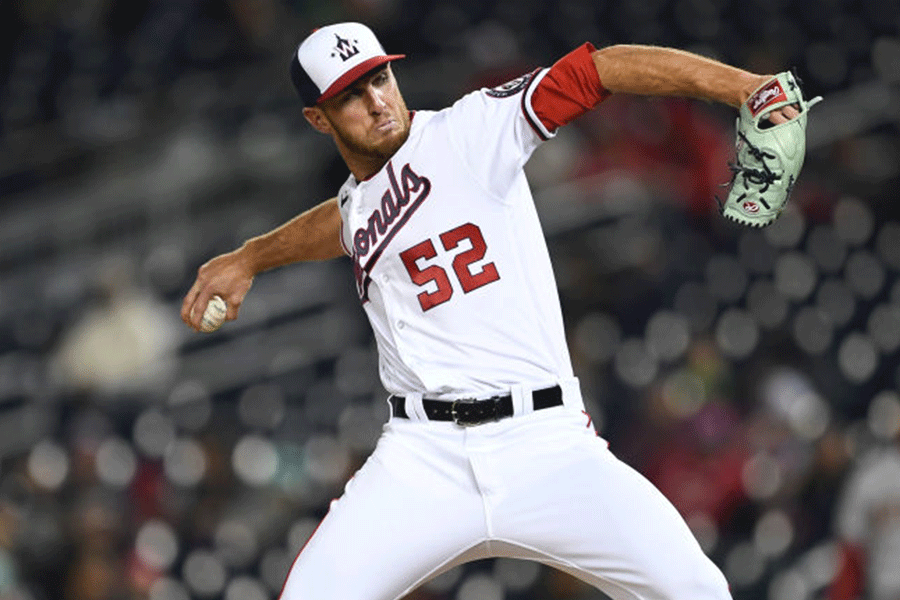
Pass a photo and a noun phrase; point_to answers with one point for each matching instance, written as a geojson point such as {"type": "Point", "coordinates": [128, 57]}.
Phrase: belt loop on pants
{"type": "Point", "coordinates": [521, 399]}
{"type": "Point", "coordinates": [472, 411]}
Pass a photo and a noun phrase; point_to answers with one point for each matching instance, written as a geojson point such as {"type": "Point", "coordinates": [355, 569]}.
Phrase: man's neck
{"type": "Point", "coordinates": [365, 169]}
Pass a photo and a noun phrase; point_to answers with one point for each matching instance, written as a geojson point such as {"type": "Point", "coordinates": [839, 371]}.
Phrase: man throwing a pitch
{"type": "Point", "coordinates": [488, 451]}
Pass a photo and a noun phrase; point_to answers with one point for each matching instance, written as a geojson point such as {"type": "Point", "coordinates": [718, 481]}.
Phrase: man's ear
{"type": "Point", "coordinates": [317, 119]}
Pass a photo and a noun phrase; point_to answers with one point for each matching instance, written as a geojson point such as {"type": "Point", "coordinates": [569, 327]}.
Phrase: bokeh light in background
{"type": "Point", "coordinates": [668, 335]}
{"type": "Point", "coordinates": [864, 274]}
{"type": "Point", "coordinates": [255, 460]}
{"type": "Point", "coordinates": [153, 432]}
{"type": "Point", "coordinates": [262, 406]}
{"type": "Point", "coordinates": [516, 575]}
{"type": "Point", "coordinates": [853, 221]}
{"type": "Point", "coordinates": [889, 244]}
{"type": "Point", "coordinates": [48, 464]}
{"type": "Point", "coordinates": [478, 586]}
{"type": "Point", "coordinates": [156, 545]}
{"type": "Point", "coordinates": [826, 248]}
{"type": "Point", "coordinates": [166, 588]}
{"type": "Point", "coordinates": [190, 405]}
{"type": "Point", "coordinates": [445, 582]}
{"type": "Point", "coordinates": [767, 305]}
{"type": "Point", "coordinates": [245, 588]}
{"type": "Point", "coordinates": [684, 393]}
{"type": "Point", "coordinates": [836, 301]}
{"type": "Point", "coordinates": [273, 568]}
{"type": "Point", "coordinates": [762, 477]}
{"type": "Point", "coordinates": [760, 367]}
{"type": "Point", "coordinates": [857, 357]}
{"type": "Point", "coordinates": [813, 331]}
{"type": "Point", "coordinates": [597, 336]}
{"type": "Point", "coordinates": [736, 334]}
{"type": "Point", "coordinates": [705, 530]}
{"type": "Point", "coordinates": [204, 574]}
{"type": "Point", "coordinates": [115, 462]}
{"type": "Point", "coordinates": [635, 365]}
{"type": "Point", "coordinates": [184, 462]}
{"type": "Point", "coordinates": [235, 543]}
{"type": "Point", "coordinates": [884, 327]}
{"type": "Point", "coordinates": [744, 565]}
{"type": "Point", "coordinates": [884, 415]}
{"type": "Point", "coordinates": [795, 275]}
{"type": "Point", "coordinates": [299, 533]}
{"type": "Point", "coordinates": [773, 533]}
{"type": "Point", "coordinates": [788, 230]}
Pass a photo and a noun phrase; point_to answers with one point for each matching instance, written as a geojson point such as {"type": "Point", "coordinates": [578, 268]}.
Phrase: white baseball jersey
{"type": "Point", "coordinates": [449, 256]}
{"type": "Point", "coordinates": [453, 271]}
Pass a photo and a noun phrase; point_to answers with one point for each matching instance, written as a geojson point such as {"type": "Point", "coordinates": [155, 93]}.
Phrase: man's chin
{"type": "Point", "coordinates": [391, 142]}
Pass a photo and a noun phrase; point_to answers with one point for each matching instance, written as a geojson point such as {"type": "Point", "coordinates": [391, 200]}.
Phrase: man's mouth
{"type": "Point", "coordinates": [386, 126]}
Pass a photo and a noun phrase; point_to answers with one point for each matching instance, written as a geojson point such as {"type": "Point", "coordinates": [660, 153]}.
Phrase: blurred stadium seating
{"type": "Point", "coordinates": [752, 375]}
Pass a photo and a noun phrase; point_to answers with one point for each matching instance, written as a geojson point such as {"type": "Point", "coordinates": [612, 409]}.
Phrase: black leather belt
{"type": "Point", "coordinates": [469, 411]}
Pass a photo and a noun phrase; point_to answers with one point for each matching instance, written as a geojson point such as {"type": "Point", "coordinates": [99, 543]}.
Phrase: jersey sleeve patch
{"type": "Point", "coordinates": [570, 88]}
{"type": "Point", "coordinates": [510, 88]}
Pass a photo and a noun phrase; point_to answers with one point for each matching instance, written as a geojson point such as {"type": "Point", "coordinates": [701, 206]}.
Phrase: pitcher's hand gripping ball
{"type": "Point", "coordinates": [768, 157]}
{"type": "Point", "coordinates": [214, 315]}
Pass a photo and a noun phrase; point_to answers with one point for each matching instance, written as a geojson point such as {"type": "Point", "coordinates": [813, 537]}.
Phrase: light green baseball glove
{"type": "Point", "coordinates": [768, 157]}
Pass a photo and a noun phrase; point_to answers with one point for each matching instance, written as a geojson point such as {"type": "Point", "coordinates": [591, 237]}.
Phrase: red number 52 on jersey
{"type": "Point", "coordinates": [434, 273]}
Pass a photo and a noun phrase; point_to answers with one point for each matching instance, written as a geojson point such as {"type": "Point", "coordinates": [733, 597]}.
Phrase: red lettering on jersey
{"type": "Point", "coordinates": [392, 203]}
{"type": "Point", "coordinates": [570, 88]}
{"type": "Point", "coordinates": [436, 278]}
{"type": "Point", "coordinates": [427, 275]}
{"type": "Point", "coordinates": [398, 203]}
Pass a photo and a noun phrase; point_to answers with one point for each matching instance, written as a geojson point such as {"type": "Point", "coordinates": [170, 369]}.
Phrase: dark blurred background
{"type": "Point", "coordinates": [751, 374]}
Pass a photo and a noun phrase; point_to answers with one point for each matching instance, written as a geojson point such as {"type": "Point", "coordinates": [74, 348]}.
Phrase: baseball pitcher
{"type": "Point", "coordinates": [488, 451]}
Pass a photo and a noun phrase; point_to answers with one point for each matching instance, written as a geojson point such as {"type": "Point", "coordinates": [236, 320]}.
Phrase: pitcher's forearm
{"type": "Point", "coordinates": [312, 235]}
{"type": "Point", "coordinates": [654, 71]}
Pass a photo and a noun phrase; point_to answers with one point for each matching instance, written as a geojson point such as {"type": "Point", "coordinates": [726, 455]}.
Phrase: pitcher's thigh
{"type": "Point", "coordinates": [393, 527]}
{"type": "Point", "coordinates": [602, 521]}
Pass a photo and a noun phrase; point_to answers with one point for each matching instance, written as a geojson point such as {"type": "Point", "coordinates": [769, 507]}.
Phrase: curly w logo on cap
{"type": "Point", "coordinates": [318, 76]}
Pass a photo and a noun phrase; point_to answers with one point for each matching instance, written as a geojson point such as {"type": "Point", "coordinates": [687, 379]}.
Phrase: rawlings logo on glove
{"type": "Point", "coordinates": [767, 95]}
{"type": "Point", "coordinates": [768, 159]}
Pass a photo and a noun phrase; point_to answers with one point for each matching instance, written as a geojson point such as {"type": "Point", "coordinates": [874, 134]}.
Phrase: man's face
{"type": "Point", "coordinates": [369, 118]}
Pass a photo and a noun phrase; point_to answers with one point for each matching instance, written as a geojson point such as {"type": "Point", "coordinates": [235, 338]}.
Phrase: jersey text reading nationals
{"type": "Point", "coordinates": [486, 266]}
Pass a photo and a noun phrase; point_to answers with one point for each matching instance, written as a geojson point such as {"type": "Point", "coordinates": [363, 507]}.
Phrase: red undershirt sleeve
{"type": "Point", "coordinates": [570, 88]}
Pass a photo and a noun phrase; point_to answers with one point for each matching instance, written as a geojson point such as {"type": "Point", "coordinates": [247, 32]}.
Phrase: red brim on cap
{"type": "Point", "coordinates": [355, 73]}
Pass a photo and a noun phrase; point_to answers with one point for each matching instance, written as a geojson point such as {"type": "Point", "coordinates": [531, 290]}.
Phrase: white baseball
{"type": "Point", "coordinates": [214, 315]}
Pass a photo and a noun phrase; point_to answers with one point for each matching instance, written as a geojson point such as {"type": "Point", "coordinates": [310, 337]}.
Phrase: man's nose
{"type": "Point", "coordinates": [375, 99]}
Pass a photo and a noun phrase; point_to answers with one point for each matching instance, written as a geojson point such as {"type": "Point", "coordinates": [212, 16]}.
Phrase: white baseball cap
{"type": "Point", "coordinates": [333, 57]}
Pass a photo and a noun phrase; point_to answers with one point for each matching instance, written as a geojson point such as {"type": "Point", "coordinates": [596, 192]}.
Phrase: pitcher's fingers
{"type": "Point", "coordinates": [783, 114]}
{"type": "Point", "coordinates": [199, 307]}
{"type": "Point", "coordinates": [188, 304]}
{"type": "Point", "coordinates": [778, 118]}
{"type": "Point", "coordinates": [232, 310]}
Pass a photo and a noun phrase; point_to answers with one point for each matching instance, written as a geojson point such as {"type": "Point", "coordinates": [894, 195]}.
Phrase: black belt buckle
{"type": "Point", "coordinates": [468, 412]}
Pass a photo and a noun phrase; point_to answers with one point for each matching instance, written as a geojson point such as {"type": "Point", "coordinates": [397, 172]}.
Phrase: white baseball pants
{"type": "Point", "coordinates": [539, 486]}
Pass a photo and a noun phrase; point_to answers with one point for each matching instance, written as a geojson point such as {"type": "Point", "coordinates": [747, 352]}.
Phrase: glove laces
{"type": "Point", "coordinates": [761, 177]}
